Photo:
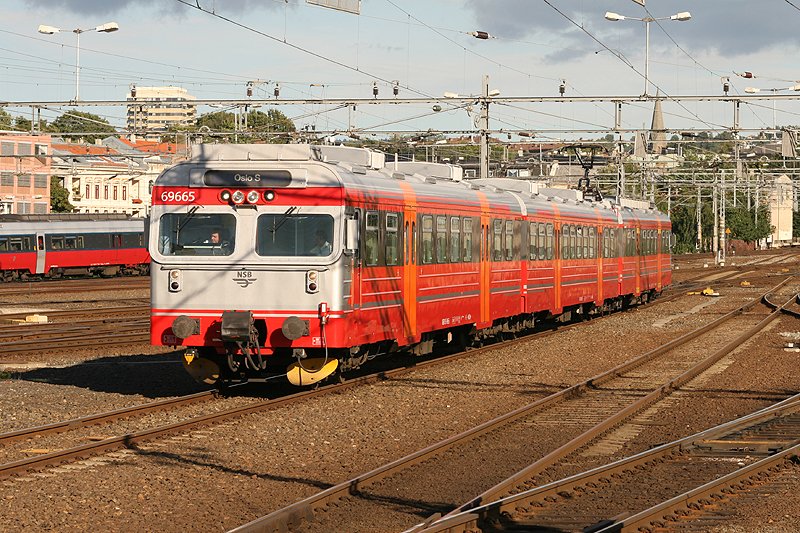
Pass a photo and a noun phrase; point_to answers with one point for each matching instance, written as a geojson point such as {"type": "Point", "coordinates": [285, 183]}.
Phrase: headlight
{"type": "Point", "coordinates": [252, 197]}
{"type": "Point", "coordinates": [237, 197]}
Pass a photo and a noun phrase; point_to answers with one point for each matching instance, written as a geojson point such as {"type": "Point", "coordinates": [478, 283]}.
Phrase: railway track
{"type": "Point", "coordinates": [29, 288]}
{"type": "Point", "coordinates": [451, 470]}
{"type": "Point", "coordinates": [21, 466]}
{"type": "Point", "coordinates": [687, 485]}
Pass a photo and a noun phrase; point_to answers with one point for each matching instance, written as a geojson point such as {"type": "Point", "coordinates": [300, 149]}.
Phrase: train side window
{"type": "Point", "coordinates": [15, 244]}
{"type": "Point", "coordinates": [413, 252]}
{"type": "Point", "coordinates": [70, 243]}
{"type": "Point", "coordinates": [57, 243]}
{"type": "Point", "coordinates": [427, 239]}
{"type": "Point", "coordinates": [441, 239]}
{"type": "Point", "coordinates": [573, 242]}
{"type": "Point", "coordinates": [81, 245]}
{"type": "Point", "coordinates": [579, 240]}
{"type": "Point", "coordinates": [467, 255]}
{"type": "Point", "coordinates": [3, 245]}
{"type": "Point", "coordinates": [509, 240]}
{"type": "Point", "coordinates": [532, 235]}
{"type": "Point", "coordinates": [565, 242]}
{"type": "Point", "coordinates": [550, 241]}
{"type": "Point", "coordinates": [455, 239]}
{"type": "Point", "coordinates": [371, 239]}
{"type": "Point", "coordinates": [497, 240]}
{"type": "Point", "coordinates": [392, 249]}
{"type": "Point", "coordinates": [542, 241]}
{"type": "Point", "coordinates": [592, 242]}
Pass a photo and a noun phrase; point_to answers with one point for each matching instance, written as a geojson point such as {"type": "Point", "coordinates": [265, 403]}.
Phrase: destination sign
{"type": "Point", "coordinates": [266, 179]}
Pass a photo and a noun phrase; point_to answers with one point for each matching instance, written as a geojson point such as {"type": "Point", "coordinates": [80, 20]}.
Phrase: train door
{"type": "Point", "coordinates": [410, 273]}
{"type": "Point", "coordinates": [40, 253]}
{"type": "Point", "coordinates": [485, 270]}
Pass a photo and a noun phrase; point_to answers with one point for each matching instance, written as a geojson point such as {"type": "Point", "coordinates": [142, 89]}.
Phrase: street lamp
{"type": "Point", "coordinates": [108, 27]}
{"type": "Point", "coordinates": [683, 16]}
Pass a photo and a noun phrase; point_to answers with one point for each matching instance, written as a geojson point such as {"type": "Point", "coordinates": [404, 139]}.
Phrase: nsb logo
{"type": "Point", "coordinates": [244, 278]}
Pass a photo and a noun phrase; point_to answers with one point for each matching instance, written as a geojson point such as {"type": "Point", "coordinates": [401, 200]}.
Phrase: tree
{"type": "Point", "coordinates": [5, 120]}
{"type": "Point", "coordinates": [77, 124]}
{"type": "Point", "coordinates": [59, 197]}
{"type": "Point", "coordinates": [741, 222]}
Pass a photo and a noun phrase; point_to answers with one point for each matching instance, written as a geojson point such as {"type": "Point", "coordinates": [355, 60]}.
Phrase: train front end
{"type": "Point", "coordinates": [251, 265]}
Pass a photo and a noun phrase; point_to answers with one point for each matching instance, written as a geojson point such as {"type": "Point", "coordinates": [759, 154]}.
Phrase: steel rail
{"type": "Point", "coordinates": [560, 453]}
{"type": "Point", "coordinates": [286, 518]}
{"type": "Point", "coordinates": [124, 441]}
{"type": "Point", "coordinates": [494, 511]}
{"type": "Point", "coordinates": [110, 416]}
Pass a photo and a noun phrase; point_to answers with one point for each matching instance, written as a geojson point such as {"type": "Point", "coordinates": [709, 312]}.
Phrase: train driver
{"type": "Point", "coordinates": [321, 245]}
{"type": "Point", "coordinates": [218, 246]}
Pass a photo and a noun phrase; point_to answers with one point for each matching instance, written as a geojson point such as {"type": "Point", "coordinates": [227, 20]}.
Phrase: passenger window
{"type": "Point", "coordinates": [392, 249]}
{"type": "Point", "coordinates": [3, 245]}
{"type": "Point", "coordinates": [550, 241]}
{"type": "Point", "coordinates": [542, 242]}
{"type": "Point", "coordinates": [15, 244]}
{"type": "Point", "coordinates": [81, 245]}
{"type": "Point", "coordinates": [592, 242]}
{"type": "Point", "coordinates": [441, 239]}
{"type": "Point", "coordinates": [579, 236]}
{"type": "Point", "coordinates": [70, 243]}
{"type": "Point", "coordinates": [467, 255]}
{"type": "Point", "coordinates": [509, 241]}
{"type": "Point", "coordinates": [573, 252]}
{"type": "Point", "coordinates": [427, 239]}
{"type": "Point", "coordinates": [497, 245]}
{"type": "Point", "coordinates": [57, 243]}
{"type": "Point", "coordinates": [565, 242]}
{"type": "Point", "coordinates": [532, 241]}
{"type": "Point", "coordinates": [455, 240]}
{"type": "Point", "coordinates": [371, 239]}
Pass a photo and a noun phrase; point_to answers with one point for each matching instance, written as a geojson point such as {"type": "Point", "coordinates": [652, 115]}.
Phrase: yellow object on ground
{"type": "Point", "coordinates": [744, 284]}
{"type": "Point", "coordinates": [312, 371]}
{"type": "Point", "coordinates": [708, 291]}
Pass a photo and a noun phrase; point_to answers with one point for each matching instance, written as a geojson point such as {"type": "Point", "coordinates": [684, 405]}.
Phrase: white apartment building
{"type": "Point", "coordinates": [152, 110]}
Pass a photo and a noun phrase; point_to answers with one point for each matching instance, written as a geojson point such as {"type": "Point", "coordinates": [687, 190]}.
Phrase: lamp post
{"type": "Point", "coordinates": [615, 17]}
{"type": "Point", "coordinates": [108, 27]}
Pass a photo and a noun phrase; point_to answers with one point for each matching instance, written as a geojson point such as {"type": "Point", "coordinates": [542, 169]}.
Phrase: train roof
{"type": "Point", "coordinates": [364, 170]}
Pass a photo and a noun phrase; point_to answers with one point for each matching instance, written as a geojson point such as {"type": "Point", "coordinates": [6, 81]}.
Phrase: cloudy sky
{"type": "Point", "coordinates": [315, 52]}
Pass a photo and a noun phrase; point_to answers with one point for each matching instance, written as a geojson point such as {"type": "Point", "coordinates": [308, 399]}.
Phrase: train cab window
{"type": "Point", "coordinates": [592, 242]}
{"type": "Point", "coordinates": [455, 239]}
{"type": "Point", "coordinates": [579, 251]}
{"type": "Point", "coordinates": [532, 240]}
{"type": "Point", "coordinates": [209, 234]}
{"type": "Point", "coordinates": [441, 239]}
{"type": "Point", "coordinates": [550, 241]}
{"type": "Point", "coordinates": [467, 255]}
{"type": "Point", "coordinates": [427, 239]}
{"type": "Point", "coordinates": [391, 240]}
{"type": "Point", "coordinates": [371, 239]}
{"type": "Point", "coordinates": [497, 241]}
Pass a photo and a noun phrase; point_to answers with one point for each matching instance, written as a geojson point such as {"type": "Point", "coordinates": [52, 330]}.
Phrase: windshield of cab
{"type": "Point", "coordinates": [193, 234]}
{"type": "Point", "coordinates": [291, 235]}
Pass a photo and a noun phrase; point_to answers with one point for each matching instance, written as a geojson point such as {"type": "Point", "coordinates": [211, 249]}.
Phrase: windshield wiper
{"type": "Point", "coordinates": [189, 216]}
{"type": "Point", "coordinates": [283, 219]}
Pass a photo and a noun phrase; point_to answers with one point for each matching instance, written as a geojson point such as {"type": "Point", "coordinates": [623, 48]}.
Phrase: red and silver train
{"type": "Point", "coordinates": [56, 245]}
{"type": "Point", "coordinates": [318, 258]}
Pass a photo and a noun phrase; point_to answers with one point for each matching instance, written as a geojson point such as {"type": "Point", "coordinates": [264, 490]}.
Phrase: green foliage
{"type": "Point", "coordinates": [796, 223]}
{"type": "Point", "coordinates": [59, 197]}
{"type": "Point", "coordinates": [5, 120]}
{"type": "Point", "coordinates": [222, 124]}
{"type": "Point", "coordinates": [22, 124]}
{"type": "Point", "coordinates": [741, 222]}
{"type": "Point", "coordinates": [77, 124]}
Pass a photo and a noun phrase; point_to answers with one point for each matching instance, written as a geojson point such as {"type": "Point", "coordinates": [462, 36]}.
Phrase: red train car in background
{"type": "Point", "coordinates": [57, 245]}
